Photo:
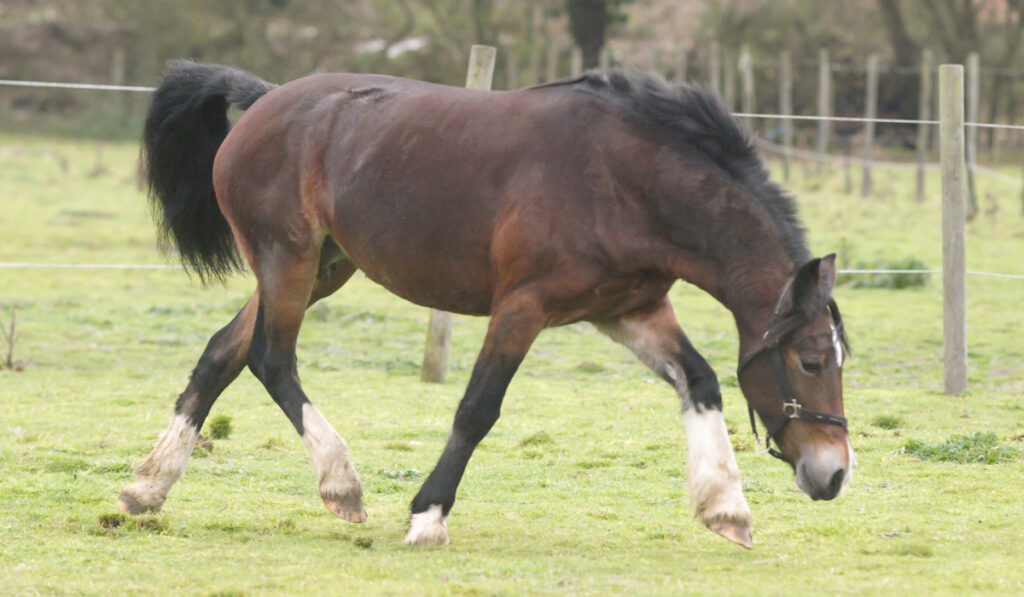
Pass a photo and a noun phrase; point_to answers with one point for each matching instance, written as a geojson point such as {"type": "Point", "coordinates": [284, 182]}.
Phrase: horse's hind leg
{"type": "Point", "coordinates": [654, 335]}
{"type": "Point", "coordinates": [287, 287]}
{"type": "Point", "coordinates": [220, 364]}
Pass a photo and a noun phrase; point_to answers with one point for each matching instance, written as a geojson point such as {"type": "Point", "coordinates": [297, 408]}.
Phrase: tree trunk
{"type": "Point", "coordinates": [587, 20]}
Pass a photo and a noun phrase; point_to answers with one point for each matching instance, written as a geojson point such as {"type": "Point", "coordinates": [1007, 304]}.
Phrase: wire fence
{"type": "Point", "coordinates": [860, 119]}
{"type": "Point", "coordinates": [763, 143]}
{"type": "Point", "coordinates": [157, 266]}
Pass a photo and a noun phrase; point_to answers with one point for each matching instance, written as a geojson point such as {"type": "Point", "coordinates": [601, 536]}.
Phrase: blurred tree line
{"type": "Point", "coordinates": [128, 41]}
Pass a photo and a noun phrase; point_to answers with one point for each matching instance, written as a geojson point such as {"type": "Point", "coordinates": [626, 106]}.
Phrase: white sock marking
{"type": "Point", "coordinates": [428, 528]}
{"type": "Point", "coordinates": [715, 487]}
{"type": "Point", "coordinates": [335, 474]}
{"type": "Point", "coordinates": [165, 464]}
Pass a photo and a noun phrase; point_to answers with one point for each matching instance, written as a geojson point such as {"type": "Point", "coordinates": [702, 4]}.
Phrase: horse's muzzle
{"type": "Point", "coordinates": [825, 473]}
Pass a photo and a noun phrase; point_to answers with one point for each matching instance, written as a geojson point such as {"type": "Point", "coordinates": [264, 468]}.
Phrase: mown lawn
{"type": "Point", "coordinates": [579, 489]}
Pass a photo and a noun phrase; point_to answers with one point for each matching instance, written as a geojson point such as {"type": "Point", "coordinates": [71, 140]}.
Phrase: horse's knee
{"type": "Point", "coordinates": [212, 366]}
{"type": "Point", "coordinates": [705, 391]}
{"type": "Point", "coordinates": [701, 381]}
{"type": "Point", "coordinates": [272, 369]}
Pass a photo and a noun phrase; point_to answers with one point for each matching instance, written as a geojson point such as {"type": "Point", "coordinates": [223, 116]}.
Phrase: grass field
{"type": "Point", "coordinates": [579, 489]}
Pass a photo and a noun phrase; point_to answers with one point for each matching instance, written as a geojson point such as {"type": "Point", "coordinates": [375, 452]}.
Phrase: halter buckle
{"type": "Point", "coordinates": [791, 410]}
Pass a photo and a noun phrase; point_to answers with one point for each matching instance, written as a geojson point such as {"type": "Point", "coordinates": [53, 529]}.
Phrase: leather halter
{"type": "Point", "coordinates": [791, 408]}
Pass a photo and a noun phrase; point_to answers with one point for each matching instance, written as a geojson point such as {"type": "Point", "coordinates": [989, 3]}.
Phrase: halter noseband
{"type": "Point", "coordinates": [791, 408]}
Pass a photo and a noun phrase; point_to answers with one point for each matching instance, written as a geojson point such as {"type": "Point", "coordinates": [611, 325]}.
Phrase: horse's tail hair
{"type": "Point", "coordinates": [186, 123]}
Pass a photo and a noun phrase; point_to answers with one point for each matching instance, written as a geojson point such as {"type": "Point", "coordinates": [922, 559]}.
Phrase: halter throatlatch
{"type": "Point", "coordinates": [791, 408]}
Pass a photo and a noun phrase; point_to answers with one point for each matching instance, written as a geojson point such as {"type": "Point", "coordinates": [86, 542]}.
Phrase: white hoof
{"type": "Point", "coordinates": [428, 528]}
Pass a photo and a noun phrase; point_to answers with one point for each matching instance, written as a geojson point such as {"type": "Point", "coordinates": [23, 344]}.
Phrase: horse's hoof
{"type": "Point", "coordinates": [736, 531]}
{"type": "Point", "coordinates": [346, 508]}
{"type": "Point", "coordinates": [129, 503]}
{"type": "Point", "coordinates": [346, 502]}
{"type": "Point", "coordinates": [428, 528]}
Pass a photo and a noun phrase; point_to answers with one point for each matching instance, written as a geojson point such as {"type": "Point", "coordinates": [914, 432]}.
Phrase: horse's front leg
{"type": "Point", "coordinates": [654, 335]}
{"type": "Point", "coordinates": [513, 327]}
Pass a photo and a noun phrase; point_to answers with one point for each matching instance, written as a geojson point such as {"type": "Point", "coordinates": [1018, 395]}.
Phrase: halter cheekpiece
{"type": "Point", "coordinates": [791, 408]}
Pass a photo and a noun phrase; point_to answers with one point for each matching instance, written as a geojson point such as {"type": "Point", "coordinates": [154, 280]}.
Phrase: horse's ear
{"type": "Point", "coordinates": [812, 287]}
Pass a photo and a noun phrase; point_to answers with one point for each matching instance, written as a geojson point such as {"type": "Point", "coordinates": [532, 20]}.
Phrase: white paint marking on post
{"type": "Point", "coordinates": [954, 190]}
{"type": "Point", "coordinates": [439, 332]}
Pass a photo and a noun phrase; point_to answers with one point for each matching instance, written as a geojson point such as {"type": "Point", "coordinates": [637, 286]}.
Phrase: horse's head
{"type": "Point", "coordinates": [792, 377]}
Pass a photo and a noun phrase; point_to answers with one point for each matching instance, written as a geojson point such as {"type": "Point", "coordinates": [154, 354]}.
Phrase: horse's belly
{"type": "Point", "coordinates": [426, 259]}
{"type": "Point", "coordinates": [436, 289]}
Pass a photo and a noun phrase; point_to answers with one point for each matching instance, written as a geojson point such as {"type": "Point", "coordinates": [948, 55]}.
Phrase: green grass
{"type": "Point", "coordinates": [579, 489]}
{"type": "Point", "coordinates": [978, 447]}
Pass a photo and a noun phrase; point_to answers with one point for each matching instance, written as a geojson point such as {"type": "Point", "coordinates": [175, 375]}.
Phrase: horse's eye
{"type": "Point", "coordinates": [811, 367]}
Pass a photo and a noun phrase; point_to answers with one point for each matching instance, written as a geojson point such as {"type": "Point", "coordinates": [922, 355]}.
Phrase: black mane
{"type": "Point", "coordinates": [695, 118]}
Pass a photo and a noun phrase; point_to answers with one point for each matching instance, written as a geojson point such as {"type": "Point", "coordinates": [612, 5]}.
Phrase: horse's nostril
{"type": "Point", "coordinates": [837, 481]}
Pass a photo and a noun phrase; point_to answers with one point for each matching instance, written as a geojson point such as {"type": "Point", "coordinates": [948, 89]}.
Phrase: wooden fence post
{"type": "Point", "coordinates": [786, 108]}
{"type": "Point", "coordinates": [747, 69]}
{"type": "Point", "coordinates": [439, 332]}
{"type": "Point", "coordinates": [511, 68]}
{"type": "Point", "coordinates": [870, 112]}
{"type": "Point", "coordinates": [824, 106]}
{"type": "Point", "coordinates": [954, 281]}
{"type": "Point", "coordinates": [536, 35]}
{"type": "Point", "coordinates": [729, 82]}
{"type": "Point", "coordinates": [681, 66]}
{"type": "Point", "coordinates": [715, 69]}
{"type": "Point", "coordinates": [551, 69]}
{"type": "Point", "coordinates": [973, 97]}
{"type": "Point", "coordinates": [576, 65]}
{"type": "Point", "coordinates": [924, 112]}
{"type": "Point", "coordinates": [652, 60]}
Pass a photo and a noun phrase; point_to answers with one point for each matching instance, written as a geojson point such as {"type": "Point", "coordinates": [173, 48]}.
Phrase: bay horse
{"type": "Point", "coordinates": [584, 199]}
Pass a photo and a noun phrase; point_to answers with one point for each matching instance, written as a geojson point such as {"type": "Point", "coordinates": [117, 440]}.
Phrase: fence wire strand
{"type": "Point", "coordinates": [93, 86]}
{"type": "Point", "coordinates": [152, 266]}
{"type": "Point", "coordinates": [789, 151]}
{"type": "Point", "coordinates": [140, 88]}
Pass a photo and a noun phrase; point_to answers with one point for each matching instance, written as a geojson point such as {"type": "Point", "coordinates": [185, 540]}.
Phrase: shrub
{"type": "Point", "coordinates": [979, 447]}
{"type": "Point", "coordinates": [887, 421]}
{"type": "Point", "coordinates": [219, 427]}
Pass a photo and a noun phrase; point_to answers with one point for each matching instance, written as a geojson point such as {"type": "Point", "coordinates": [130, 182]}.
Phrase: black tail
{"type": "Point", "coordinates": [185, 126]}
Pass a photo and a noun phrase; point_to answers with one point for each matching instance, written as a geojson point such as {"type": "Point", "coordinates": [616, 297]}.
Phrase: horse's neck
{"type": "Point", "coordinates": [745, 269]}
